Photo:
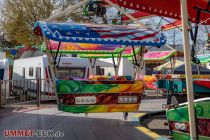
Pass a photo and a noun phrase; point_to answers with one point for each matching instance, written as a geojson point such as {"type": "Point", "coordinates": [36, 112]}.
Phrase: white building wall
{"type": "Point", "coordinates": [126, 68]}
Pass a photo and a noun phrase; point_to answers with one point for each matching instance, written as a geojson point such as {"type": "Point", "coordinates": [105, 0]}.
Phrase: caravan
{"type": "Point", "coordinates": [26, 71]}
{"type": "Point", "coordinates": [37, 67]}
{"type": "Point", "coordinates": [4, 75]}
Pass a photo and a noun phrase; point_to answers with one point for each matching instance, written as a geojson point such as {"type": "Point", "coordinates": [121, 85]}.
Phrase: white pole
{"type": "Point", "coordinates": [188, 70]}
{"type": "Point", "coordinates": [51, 64]}
{"type": "Point", "coordinates": [66, 11]}
{"type": "Point", "coordinates": [52, 69]}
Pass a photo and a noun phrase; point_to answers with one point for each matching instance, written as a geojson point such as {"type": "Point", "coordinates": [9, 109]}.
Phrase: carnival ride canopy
{"type": "Point", "coordinates": [166, 8]}
{"type": "Point", "coordinates": [83, 48]}
{"type": "Point", "coordinates": [128, 53]}
{"type": "Point", "coordinates": [91, 50]}
{"type": "Point", "coordinates": [156, 56]}
{"type": "Point", "coordinates": [99, 34]}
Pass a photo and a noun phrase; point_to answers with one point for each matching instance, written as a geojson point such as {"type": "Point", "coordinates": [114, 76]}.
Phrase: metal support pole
{"type": "Point", "coordinates": [188, 70]}
{"type": "Point", "coordinates": [134, 55]}
{"type": "Point", "coordinates": [92, 64]}
{"type": "Point", "coordinates": [1, 104]}
{"type": "Point", "coordinates": [56, 55]}
{"type": "Point", "coordinates": [115, 67]}
{"type": "Point", "coordinates": [59, 60]}
{"type": "Point", "coordinates": [198, 69]}
{"type": "Point", "coordinates": [195, 32]}
{"type": "Point", "coordinates": [174, 63]}
{"type": "Point", "coordinates": [91, 71]}
{"type": "Point", "coordinates": [38, 92]}
{"type": "Point", "coordinates": [53, 69]}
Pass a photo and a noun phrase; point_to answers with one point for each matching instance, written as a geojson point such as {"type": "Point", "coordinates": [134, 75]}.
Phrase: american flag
{"type": "Point", "coordinates": [101, 34]}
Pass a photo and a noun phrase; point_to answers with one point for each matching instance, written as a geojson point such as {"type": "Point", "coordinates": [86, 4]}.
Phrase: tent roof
{"type": "Point", "coordinates": [181, 70]}
{"type": "Point", "coordinates": [158, 55]}
{"type": "Point", "coordinates": [99, 34]}
{"type": "Point", "coordinates": [166, 8]}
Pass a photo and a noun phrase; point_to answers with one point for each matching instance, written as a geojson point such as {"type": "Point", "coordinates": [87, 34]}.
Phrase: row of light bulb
{"type": "Point", "coordinates": [127, 99]}
{"type": "Point", "coordinates": [85, 100]}
{"type": "Point", "coordinates": [92, 99]}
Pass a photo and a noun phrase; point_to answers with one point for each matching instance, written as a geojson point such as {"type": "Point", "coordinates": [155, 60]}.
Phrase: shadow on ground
{"type": "Point", "coordinates": [156, 124]}
{"type": "Point", "coordinates": [73, 127]}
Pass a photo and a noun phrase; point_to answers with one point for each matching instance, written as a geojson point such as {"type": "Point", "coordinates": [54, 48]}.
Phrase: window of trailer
{"type": "Point", "coordinates": [31, 71]}
{"type": "Point", "coordinates": [65, 73]}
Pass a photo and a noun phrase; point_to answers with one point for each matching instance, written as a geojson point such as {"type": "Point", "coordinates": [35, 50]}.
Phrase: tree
{"type": "Point", "coordinates": [19, 17]}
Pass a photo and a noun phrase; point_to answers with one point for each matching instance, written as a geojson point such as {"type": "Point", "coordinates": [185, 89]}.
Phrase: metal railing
{"type": "Point", "coordinates": [157, 92]}
{"type": "Point", "coordinates": [26, 91]}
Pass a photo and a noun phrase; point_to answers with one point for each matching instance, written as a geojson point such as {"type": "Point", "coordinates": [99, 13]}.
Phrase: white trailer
{"type": "Point", "coordinates": [126, 67]}
{"type": "Point", "coordinates": [4, 75]}
{"type": "Point", "coordinates": [37, 67]}
{"type": "Point", "coordinates": [33, 68]}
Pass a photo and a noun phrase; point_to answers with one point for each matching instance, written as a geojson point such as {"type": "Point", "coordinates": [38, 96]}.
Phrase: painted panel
{"type": "Point", "coordinates": [158, 55]}
{"type": "Point", "coordinates": [73, 86]}
{"type": "Point", "coordinates": [184, 136]}
{"type": "Point", "coordinates": [99, 108]}
{"type": "Point", "coordinates": [109, 95]}
{"type": "Point", "coordinates": [179, 115]}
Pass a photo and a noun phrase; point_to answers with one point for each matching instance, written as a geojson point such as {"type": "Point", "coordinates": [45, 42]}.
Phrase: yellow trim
{"type": "Point", "coordinates": [139, 115]}
{"type": "Point", "coordinates": [145, 130]}
{"type": "Point", "coordinates": [148, 132]}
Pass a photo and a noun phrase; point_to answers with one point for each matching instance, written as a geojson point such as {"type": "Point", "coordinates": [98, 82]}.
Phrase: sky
{"type": "Point", "coordinates": [154, 21]}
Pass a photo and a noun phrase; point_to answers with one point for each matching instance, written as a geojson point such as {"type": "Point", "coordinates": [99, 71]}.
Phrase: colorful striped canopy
{"type": "Point", "coordinates": [166, 8]}
{"type": "Point", "coordinates": [82, 48]}
{"type": "Point", "coordinates": [99, 34]}
{"type": "Point", "coordinates": [128, 53]}
{"type": "Point", "coordinates": [158, 55]}
{"type": "Point", "coordinates": [204, 58]}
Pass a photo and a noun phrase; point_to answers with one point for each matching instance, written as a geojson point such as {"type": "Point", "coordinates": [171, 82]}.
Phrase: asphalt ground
{"type": "Point", "coordinates": [95, 126]}
{"type": "Point", "coordinates": [157, 123]}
